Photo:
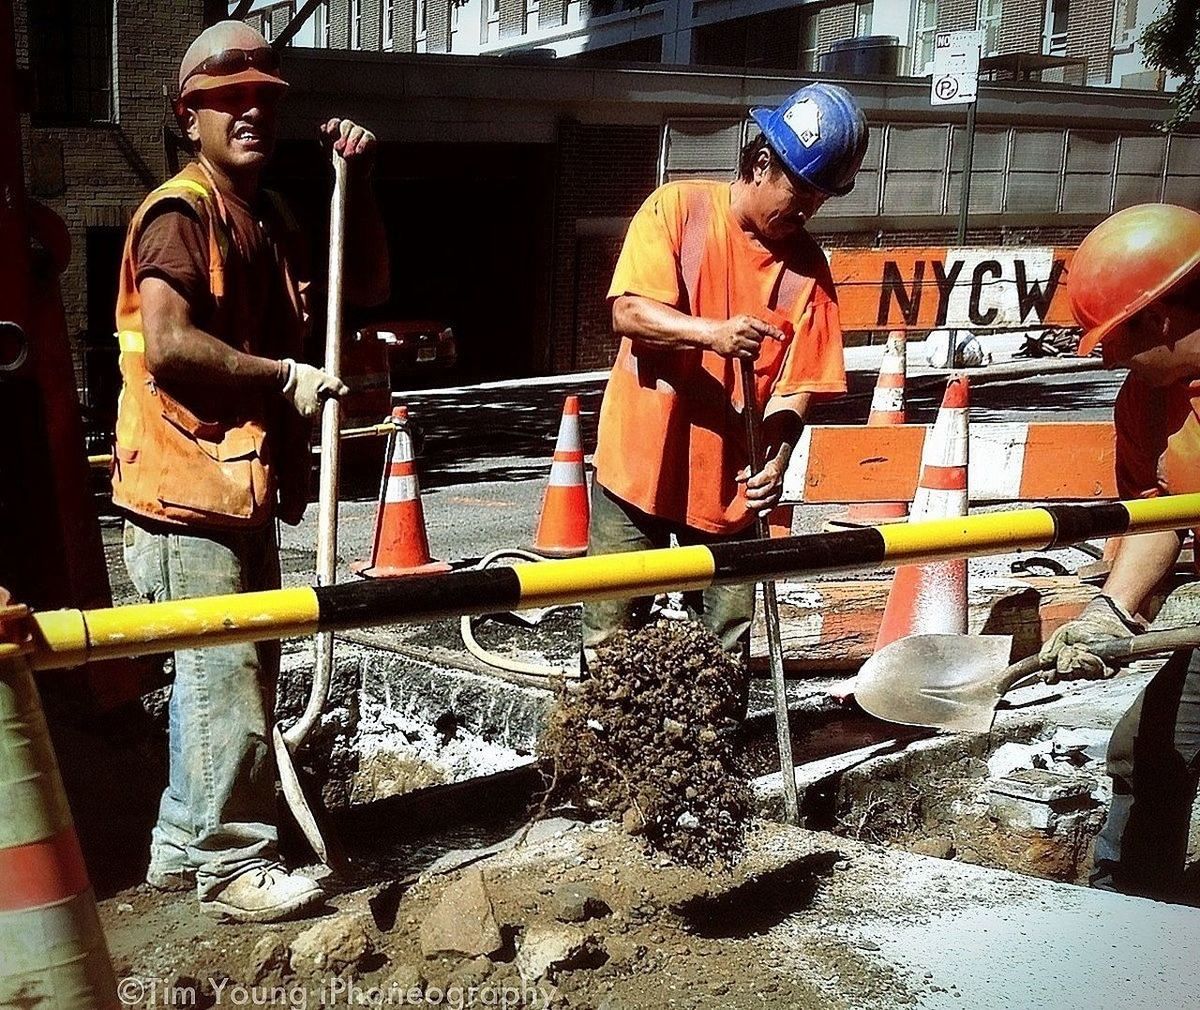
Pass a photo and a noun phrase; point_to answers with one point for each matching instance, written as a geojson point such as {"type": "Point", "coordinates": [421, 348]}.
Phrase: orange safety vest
{"type": "Point", "coordinates": [169, 464]}
{"type": "Point", "coordinates": [659, 398]}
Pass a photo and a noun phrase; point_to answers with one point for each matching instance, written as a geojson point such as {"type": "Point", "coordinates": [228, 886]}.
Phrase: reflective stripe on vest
{"type": "Point", "coordinates": [131, 342]}
{"type": "Point", "coordinates": [189, 184]}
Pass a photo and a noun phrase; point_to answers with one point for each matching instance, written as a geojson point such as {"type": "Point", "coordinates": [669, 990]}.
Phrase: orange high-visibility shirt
{"type": "Point", "coordinates": [672, 434]}
{"type": "Point", "coordinates": [1158, 439]}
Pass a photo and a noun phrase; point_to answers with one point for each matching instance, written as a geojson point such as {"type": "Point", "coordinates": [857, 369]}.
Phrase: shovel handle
{"type": "Point", "coordinates": [327, 498]}
{"type": "Point", "coordinates": [753, 436]}
{"type": "Point", "coordinates": [783, 731]}
{"type": "Point", "coordinates": [1151, 643]}
{"type": "Point", "coordinates": [1119, 652]}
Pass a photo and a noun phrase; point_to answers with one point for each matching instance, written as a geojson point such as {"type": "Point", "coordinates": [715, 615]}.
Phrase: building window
{"type": "Point", "coordinates": [809, 52]}
{"type": "Point", "coordinates": [988, 22]}
{"type": "Point", "coordinates": [355, 24]}
{"type": "Point", "coordinates": [531, 16]}
{"type": "Point", "coordinates": [71, 49]}
{"type": "Point", "coordinates": [1054, 40]}
{"type": "Point", "coordinates": [422, 18]}
{"type": "Point", "coordinates": [864, 15]}
{"type": "Point", "coordinates": [268, 27]}
{"type": "Point", "coordinates": [321, 26]}
{"type": "Point", "coordinates": [1125, 22]}
{"type": "Point", "coordinates": [924, 23]}
{"type": "Point", "coordinates": [389, 23]}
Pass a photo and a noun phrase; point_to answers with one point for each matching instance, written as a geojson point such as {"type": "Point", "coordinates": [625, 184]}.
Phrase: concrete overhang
{"type": "Point", "coordinates": [507, 99]}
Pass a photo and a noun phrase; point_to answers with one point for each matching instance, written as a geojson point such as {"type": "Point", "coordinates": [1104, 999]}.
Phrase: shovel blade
{"type": "Point", "coordinates": [948, 682]}
{"type": "Point", "coordinates": [297, 802]}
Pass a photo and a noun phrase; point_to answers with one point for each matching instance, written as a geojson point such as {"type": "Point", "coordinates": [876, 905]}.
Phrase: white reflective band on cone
{"type": "Point", "coordinates": [400, 488]}
{"type": "Point", "coordinates": [568, 432]}
{"type": "Point", "coordinates": [565, 474]}
{"type": "Point", "coordinates": [888, 398]}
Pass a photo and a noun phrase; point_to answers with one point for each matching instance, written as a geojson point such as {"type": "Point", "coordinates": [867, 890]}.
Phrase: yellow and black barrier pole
{"type": "Point", "coordinates": [103, 460]}
{"type": "Point", "coordinates": [65, 638]}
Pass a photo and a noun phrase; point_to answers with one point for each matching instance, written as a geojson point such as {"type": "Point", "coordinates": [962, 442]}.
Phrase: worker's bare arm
{"type": "Point", "coordinates": [781, 431]}
{"type": "Point", "coordinates": [1142, 562]}
{"type": "Point", "coordinates": [659, 325]}
{"type": "Point", "coordinates": [178, 350]}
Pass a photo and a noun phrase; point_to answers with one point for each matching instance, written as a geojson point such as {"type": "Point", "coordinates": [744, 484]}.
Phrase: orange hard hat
{"type": "Point", "coordinates": [225, 54]}
{"type": "Point", "coordinates": [1126, 262]}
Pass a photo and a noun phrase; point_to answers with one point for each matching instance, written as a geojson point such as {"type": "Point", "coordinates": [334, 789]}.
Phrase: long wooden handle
{"type": "Point", "coordinates": [783, 729]}
{"type": "Point", "coordinates": [1119, 652]}
{"type": "Point", "coordinates": [331, 422]}
{"type": "Point", "coordinates": [331, 409]}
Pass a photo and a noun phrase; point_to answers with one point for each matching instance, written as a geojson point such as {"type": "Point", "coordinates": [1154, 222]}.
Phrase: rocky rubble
{"type": "Point", "coordinates": [648, 742]}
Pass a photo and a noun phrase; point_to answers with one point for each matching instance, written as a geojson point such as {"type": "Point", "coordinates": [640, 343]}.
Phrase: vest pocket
{"type": "Point", "coordinates": [211, 468]}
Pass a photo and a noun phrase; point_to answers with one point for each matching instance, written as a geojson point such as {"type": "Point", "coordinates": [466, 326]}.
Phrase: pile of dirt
{"type": "Point", "coordinates": [649, 742]}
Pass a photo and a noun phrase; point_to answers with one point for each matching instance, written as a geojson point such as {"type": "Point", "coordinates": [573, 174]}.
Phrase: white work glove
{"type": "Point", "coordinates": [306, 387]}
{"type": "Point", "coordinates": [1066, 652]}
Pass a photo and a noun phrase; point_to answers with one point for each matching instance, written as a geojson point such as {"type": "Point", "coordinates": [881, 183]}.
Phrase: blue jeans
{"type": "Point", "coordinates": [1154, 762]}
{"type": "Point", "coordinates": [618, 526]}
{"type": "Point", "coordinates": [218, 812]}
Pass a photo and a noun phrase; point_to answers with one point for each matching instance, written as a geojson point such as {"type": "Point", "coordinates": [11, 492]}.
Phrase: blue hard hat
{"type": "Point", "coordinates": [820, 134]}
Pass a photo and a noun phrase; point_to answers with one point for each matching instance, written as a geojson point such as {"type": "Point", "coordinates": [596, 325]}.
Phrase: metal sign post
{"type": "Point", "coordinates": [956, 82]}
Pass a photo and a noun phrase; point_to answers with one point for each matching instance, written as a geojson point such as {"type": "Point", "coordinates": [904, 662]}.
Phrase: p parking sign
{"type": "Point", "coordinates": [955, 67]}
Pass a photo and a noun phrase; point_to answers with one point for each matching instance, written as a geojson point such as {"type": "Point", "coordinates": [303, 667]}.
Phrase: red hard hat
{"type": "Point", "coordinates": [1126, 262]}
{"type": "Point", "coordinates": [225, 54]}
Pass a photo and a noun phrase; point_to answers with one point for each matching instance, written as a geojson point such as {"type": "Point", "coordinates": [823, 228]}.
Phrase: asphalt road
{"type": "Point", "coordinates": [487, 451]}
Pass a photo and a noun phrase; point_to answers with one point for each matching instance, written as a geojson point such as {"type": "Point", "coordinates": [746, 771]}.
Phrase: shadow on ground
{"type": "Point", "coordinates": [756, 906]}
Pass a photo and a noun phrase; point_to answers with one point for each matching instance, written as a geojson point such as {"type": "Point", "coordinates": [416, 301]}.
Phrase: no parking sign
{"type": "Point", "coordinates": [955, 67]}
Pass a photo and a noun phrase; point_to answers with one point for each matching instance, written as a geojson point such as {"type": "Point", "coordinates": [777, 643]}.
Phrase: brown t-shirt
{"type": "Point", "coordinates": [173, 246]}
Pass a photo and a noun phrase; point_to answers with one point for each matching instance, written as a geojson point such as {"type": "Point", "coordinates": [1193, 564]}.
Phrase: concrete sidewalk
{"type": "Point", "coordinates": [959, 935]}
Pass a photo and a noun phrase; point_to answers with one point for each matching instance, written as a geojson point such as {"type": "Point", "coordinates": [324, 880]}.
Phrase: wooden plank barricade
{"type": "Point", "coordinates": [1027, 462]}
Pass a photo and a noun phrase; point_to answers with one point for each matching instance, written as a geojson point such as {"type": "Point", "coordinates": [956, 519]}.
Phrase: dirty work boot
{"type": "Point", "coordinates": [264, 894]}
{"type": "Point", "coordinates": [171, 878]}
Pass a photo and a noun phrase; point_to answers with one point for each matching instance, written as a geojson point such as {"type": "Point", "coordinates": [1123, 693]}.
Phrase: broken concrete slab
{"type": "Point", "coordinates": [1080, 746]}
{"type": "Point", "coordinates": [463, 922]}
{"type": "Point", "coordinates": [1036, 798]}
{"type": "Point", "coordinates": [537, 831]}
{"type": "Point", "coordinates": [1013, 756]}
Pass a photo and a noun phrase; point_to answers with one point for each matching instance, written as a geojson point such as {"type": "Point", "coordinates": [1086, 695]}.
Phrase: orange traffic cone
{"type": "Point", "coordinates": [887, 408]}
{"type": "Point", "coordinates": [52, 949]}
{"type": "Point", "coordinates": [932, 598]}
{"type": "Point", "coordinates": [401, 544]}
{"type": "Point", "coordinates": [562, 530]}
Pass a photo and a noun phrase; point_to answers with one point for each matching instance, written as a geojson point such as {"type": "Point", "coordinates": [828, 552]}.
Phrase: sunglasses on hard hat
{"type": "Point", "coordinates": [234, 61]}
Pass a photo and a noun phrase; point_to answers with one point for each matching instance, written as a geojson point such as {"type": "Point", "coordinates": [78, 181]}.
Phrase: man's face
{"type": "Point", "coordinates": [783, 202]}
{"type": "Point", "coordinates": [1160, 344]}
{"type": "Point", "coordinates": [235, 127]}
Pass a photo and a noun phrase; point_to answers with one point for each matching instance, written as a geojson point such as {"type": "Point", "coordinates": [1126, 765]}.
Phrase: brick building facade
{"type": "Point", "coordinates": [604, 174]}
{"type": "Point", "coordinates": [1021, 26]}
{"type": "Point", "coordinates": [1089, 36]}
{"type": "Point", "coordinates": [779, 34]}
{"type": "Point", "coordinates": [93, 165]}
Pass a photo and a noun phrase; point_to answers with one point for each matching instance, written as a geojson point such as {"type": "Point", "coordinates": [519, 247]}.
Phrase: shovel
{"type": "Point", "coordinates": [783, 730]}
{"type": "Point", "coordinates": [953, 682]}
{"type": "Point", "coordinates": [287, 743]}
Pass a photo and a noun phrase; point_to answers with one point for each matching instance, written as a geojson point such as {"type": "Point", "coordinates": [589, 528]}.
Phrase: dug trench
{"type": "Point", "coordinates": [577, 911]}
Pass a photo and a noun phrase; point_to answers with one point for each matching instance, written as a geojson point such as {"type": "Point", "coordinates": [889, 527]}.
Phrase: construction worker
{"type": "Point", "coordinates": [712, 273]}
{"type": "Point", "coordinates": [1134, 287]}
{"type": "Point", "coordinates": [211, 445]}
